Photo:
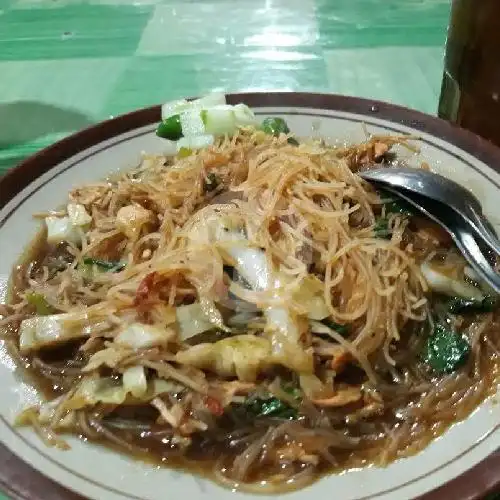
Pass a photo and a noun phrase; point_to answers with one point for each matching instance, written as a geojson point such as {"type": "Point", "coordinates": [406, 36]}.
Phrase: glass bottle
{"type": "Point", "coordinates": [470, 92]}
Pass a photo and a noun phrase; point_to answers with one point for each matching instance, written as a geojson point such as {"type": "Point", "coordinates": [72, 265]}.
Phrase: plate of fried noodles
{"type": "Point", "coordinates": [204, 298]}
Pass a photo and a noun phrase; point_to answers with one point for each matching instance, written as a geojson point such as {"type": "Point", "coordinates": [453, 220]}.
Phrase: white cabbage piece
{"type": "Point", "coordinates": [94, 389]}
{"type": "Point", "coordinates": [213, 314]}
{"type": "Point", "coordinates": [310, 295]}
{"type": "Point", "coordinates": [195, 142]}
{"type": "Point", "coordinates": [191, 320]}
{"type": "Point", "coordinates": [61, 229]}
{"type": "Point", "coordinates": [131, 218]}
{"type": "Point", "coordinates": [243, 356]}
{"type": "Point", "coordinates": [210, 100]}
{"type": "Point", "coordinates": [244, 115]}
{"type": "Point", "coordinates": [41, 331]}
{"type": "Point", "coordinates": [444, 280]}
{"type": "Point", "coordinates": [282, 328]}
{"type": "Point", "coordinates": [134, 381]}
{"type": "Point", "coordinates": [78, 215]}
{"type": "Point", "coordinates": [141, 336]}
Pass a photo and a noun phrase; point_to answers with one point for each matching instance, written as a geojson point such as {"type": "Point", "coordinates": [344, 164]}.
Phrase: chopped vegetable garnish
{"type": "Point", "coordinates": [170, 128]}
{"type": "Point", "coordinates": [381, 228]}
{"type": "Point", "coordinates": [392, 206]}
{"type": "Point", "coordinates": [184, 152]}
{"type": "Point", "coordinates": [342, 329]}
{"type": "Point", "coordinates": [272, 407]}
{"type": "Point", "coordinates": [275, 126]}
{"type": "Point", "coordinates": [193, 142]}
{"type": "Point", "coordinates": [446, 350]}
{"type": "Point", "coordinates": [396, 205]}
{"type": "Point", "coordinates": [194, 124]}
{"type": "Point", "coordinates": [293, 141]}
{"type": "Point", "coordinates": [219, 120]}
{"type": "Point", "coordinates": [42, 307]}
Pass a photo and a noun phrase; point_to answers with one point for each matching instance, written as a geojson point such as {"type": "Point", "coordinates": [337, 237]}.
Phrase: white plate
{"type": "Point", "coordinates": [43, 181]}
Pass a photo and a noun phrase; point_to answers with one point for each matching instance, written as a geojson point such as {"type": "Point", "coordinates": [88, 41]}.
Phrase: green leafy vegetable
{"type": "Point", "coordinates": [255, 407]}
{"type": "Point", "coordinates": [392, 206]}
{"type": "Point", "coordinates": [38, 300]}
{"type": "Point", "coordinates": [446, 350]}
{"type": "Point", "coordinates": [211, 182]}
{"type": "Point", "coordinates": [271, 407]}
{"type": "Point", "coordinates": [342, 329]}
{"type": "Point", "coordinates": [170, 128]}
{"type": "Point", "coordinates": [397, 206]}
{"type": "Point", "coordinates": [275, 126]}
{"type": "Point", "coordinates": [459, 305]}
{"type": "Point", "coordinates": [104, 265]}
{"type": "Point", "coordinates": [381, 228]}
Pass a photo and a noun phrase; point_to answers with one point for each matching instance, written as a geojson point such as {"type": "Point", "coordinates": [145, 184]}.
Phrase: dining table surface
{"type": "Point", "coordinates": [66, 64]}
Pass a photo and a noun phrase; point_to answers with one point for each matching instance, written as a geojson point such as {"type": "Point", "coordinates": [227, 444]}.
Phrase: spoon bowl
{"type": "Point", "coordinates": [465, 241]}
{"type": "Point", "coordinates": [423, 183]}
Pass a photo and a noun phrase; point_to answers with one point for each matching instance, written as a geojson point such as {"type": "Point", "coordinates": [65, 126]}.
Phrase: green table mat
{"type": "Point", "coordinates": [65, 64]}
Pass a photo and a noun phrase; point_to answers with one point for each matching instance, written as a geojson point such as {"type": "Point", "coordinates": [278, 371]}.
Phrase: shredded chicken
{"type": "Point", "coordinates": [343, 396]}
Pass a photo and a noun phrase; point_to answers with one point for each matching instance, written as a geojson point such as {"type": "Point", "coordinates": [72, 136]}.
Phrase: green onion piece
{"type": "Point", "coordinates": [293, 141]}
{"type": "Point", "coordinates": [381, 228]}
{"type": "Point", "coordinates": [42, 307]}
{"type": "Point", "coordinates": [275, 126]}
{"type": "Point", "coordinates": [184, 152]}
{"type": "Point", "coordinates": [342, 329]}
{"type": "Point", "coordinates": [105, 265]}
{"type": "Point", "coordinates": [396, 205]}
{"type": "Point", "coordinates": [170, 128]}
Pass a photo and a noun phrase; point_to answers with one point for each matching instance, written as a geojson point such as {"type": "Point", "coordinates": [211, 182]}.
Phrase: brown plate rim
{"type": "Point", "coordinates": [20, 480]}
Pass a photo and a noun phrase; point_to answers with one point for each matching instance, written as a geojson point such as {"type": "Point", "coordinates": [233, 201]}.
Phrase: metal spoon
{"type": "Point", "coordinates": [441, 189]}
{"type": "Point", "coordinates": [447, 218]}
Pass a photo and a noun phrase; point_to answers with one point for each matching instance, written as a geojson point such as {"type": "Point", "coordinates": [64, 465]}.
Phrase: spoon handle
{"type": "Point", "coordinates": [473, 253]}
{"type": "Point", "coordinates": [483, 228]}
